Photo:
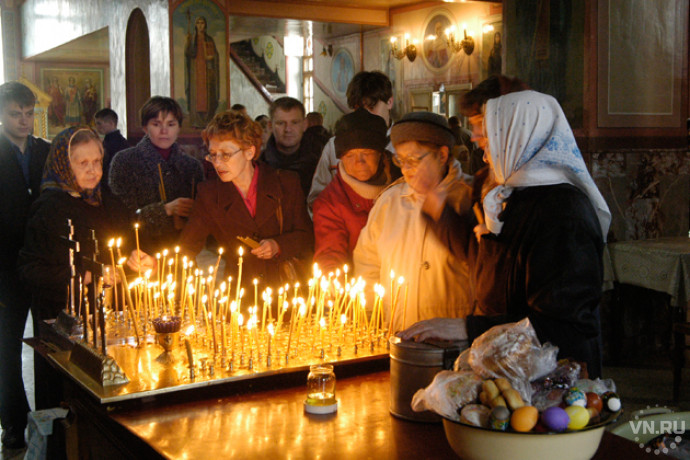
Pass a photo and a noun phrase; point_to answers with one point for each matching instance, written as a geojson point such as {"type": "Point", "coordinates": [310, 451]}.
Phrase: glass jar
{"type": "Point", "coordinates": [321, 385]}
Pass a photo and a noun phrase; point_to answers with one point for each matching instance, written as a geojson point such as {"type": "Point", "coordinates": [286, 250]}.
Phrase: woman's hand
{"type": "Point", "coordinates": [436, 328]}
{"type": "Point", "coordinates": [267, 249]}
{"type": "Point", "coordinates": [179, 207]}
{"type": "Point", "coordinates": [480, 230]}
{"type": "Point", "coordinates": [142, 262]}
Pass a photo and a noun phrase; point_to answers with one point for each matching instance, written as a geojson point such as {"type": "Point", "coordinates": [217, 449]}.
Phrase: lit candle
{"type": "Point", "coordinates": [345, 269]}
{"type": "Point", "coordinates": [239, 274]}
{"type": "Point", "coordinates": [136, 236]}
{"type": "Point", "coordinates": [270, 338]}
{"type": "Point", "coordinates": [220, 255]}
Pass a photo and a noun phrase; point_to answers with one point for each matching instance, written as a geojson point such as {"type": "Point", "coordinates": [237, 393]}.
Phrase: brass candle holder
{"type": "Point", "coordinates": [167, 335]}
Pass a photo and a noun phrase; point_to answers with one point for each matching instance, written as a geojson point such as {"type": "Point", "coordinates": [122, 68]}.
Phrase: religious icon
{"type": "Point", "coordinates": [202, 75]}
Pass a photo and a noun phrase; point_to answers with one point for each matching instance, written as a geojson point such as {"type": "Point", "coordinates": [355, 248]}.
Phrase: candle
{"type": "Point", "coordinates": [343, 320]}
{"type": "Point", "coordinates": [240, 321]}
{"type": "Point", "coordinates": [177, 254]}
{"type": "Point", "coordinates": [129, 303]}
{"type": "Point", "coordinates": [111, 243]}
{"type": "Point", "coordinates": [345, 269]}
{"type": "Point", "coordinates": [269, 338]}
{"type": "Point", "coordinates": [220, 255]}
{"type": "Point", "coordinates": [322, 326]}
{"type": "Point", "coordinates": [136, 236]}
{"type": "Point", "coordinates": [404, 326]}
{"type": "Point", "coordinates": [239, 274]}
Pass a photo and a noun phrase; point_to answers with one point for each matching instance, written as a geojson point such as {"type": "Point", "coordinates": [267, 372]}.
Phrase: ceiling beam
{"type": "Point", "coordinates": [309, 11]}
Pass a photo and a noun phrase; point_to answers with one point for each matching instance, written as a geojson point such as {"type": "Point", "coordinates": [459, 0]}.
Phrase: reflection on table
{"type": "Point", "coordinates": [272, 424]}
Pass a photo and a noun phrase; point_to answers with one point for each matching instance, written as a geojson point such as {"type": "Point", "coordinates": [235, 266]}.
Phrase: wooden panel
{"type": "Point", "coordinates": [641, 57]}
{"type": "Point", "coordinates": [324, 13]}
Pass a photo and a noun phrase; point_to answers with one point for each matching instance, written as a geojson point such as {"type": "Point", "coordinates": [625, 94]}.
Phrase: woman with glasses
{"type": "Point", "coordinates": [539, 252]}
{"type": "Point", "coordinates": [248, 199]}
{"type": "Point", "coordinates": [364, 170]}
{"type": "Point", "coordinates": [70, 189]}
{"type": "Point", "coordinates": [397, 238]}
{"type": "Point", "coordinates": [156, 179]}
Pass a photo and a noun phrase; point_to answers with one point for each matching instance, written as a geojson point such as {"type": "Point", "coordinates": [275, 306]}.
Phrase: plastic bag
{"type": "Point", "coordinates": [447, 393]}
{"type": "Point", "coordinates": [512, 351]}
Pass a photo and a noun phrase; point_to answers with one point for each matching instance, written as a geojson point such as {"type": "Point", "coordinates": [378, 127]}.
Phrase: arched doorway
{"type": "Point", "coordinates": [137, 70]}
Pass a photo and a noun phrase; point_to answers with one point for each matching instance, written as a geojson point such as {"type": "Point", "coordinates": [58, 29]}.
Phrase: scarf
{"type": "Point", "coordinates": [58, 175]}
{"type": "Point", "coordinates": [531, 143]}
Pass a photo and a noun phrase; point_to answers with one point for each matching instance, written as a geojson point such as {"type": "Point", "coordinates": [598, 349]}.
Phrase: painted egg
{"type": "Point", "coordinates": [579, 417]}
{"type": "Point", "coordinates": [594, 401]}
{"type": "Point", "coordinates": [524, 418]}
{"type": "Point", "coordinates": [555, 418]}
{"type": "Point", "coordinates": [611, 401]}
{"type": "Point", "coordinates": [575, 397]}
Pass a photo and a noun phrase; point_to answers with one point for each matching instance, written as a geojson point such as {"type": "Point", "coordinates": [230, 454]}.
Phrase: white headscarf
{"type": "Point", "coordinates": [531, 144]}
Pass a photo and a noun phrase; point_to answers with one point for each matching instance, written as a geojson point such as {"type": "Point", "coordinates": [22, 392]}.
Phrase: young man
{"type": "Point", "coordinates": [288, 148]}
{"type": "Point", "coordinates": [22, 157]}
{"type": "Point", "coordinates": [113, 142]}
{"type": "Point", "coordinates": [370, 90]}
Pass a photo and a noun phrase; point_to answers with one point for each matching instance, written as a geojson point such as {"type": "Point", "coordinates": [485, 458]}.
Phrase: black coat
{"type": "Point", "coordinates": [545, 264]}
{"type": "Point", "coordinates": [16, 197]}
{"type": "Point", "coordinates": [44, 259]}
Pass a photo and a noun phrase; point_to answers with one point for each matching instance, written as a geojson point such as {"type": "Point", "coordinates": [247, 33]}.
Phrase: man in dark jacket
{"type": "Point", "coordinates": [22, 157]}
{"type": "Point", "coordinates": [113, 142]}
{"type": "Point", "coordinates": [288, 147]}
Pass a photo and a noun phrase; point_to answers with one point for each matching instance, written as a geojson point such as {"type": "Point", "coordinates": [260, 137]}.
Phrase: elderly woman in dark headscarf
{"type": "Point", "coordinates": [70, 189]}
{"type": "Point", "coordinates": [364, 171]}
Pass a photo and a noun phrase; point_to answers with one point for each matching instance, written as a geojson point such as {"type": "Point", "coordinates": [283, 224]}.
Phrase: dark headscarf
{"type": "Point", "coordinates": [58, 174]}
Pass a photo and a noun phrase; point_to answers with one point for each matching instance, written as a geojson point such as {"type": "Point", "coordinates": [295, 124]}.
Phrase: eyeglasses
{"type": "Point", "coordinates": [224, 157]}
{"type": "Point", "coordinates": [410, 162]}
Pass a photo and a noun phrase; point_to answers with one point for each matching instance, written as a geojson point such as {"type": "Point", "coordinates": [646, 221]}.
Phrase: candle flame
{"type": "Point", "coordinates": [240, 251]}
{"type": "Point", "coordinates": [271, 331]}
{"type": "Point", "coordinates": [111, 242]}
{"type": "Point", "coordinates": [136, 226]}
{"type": "Point", "coordinates": [119, 241]}
{"type": "Point", "coordinates": [240, 319]}
{"type": "Point", "coordinates": [322, 322]}
{"type": "Point", "coordinates": [177, 249]}
{"type": "Point", "coordinates": [121, 260]}
{"type": "Point", "coordinates": [343, 319]}
{"type": "Point", "coordinates": [220, 251]}
{"type": "Point", "coordinates": [189, 330]}
{"type": "Point", "coordinates": [233, 306]}
{"type": "Point", "coordinates": [401, 280]}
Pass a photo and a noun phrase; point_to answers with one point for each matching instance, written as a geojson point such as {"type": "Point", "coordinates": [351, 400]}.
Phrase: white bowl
{"type": "Point", "coordinates": [476, 443]}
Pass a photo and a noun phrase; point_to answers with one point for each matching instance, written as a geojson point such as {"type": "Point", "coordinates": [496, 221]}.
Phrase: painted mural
{"type": "Point", "coordinates": [77, 94]}
{"type": "Point", "coordinates": [199, 61]}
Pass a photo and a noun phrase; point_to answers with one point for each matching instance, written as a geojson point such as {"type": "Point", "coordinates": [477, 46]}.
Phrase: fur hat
{"type": "Point", "coordinates": [423, 127]}
{"type": "Point", "coordinates": [360, 129]}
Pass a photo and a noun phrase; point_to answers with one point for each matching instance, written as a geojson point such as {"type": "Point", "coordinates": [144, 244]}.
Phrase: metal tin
{"type": "Point", "coordinates": [413, 366]}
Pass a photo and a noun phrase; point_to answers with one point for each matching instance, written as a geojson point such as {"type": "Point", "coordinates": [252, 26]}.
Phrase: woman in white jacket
{"type": "Point", "coordinates": [397, 237]}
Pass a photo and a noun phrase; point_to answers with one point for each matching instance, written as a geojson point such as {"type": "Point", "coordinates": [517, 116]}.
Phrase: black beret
{"type": "Point", "coordinates": [360, 129]}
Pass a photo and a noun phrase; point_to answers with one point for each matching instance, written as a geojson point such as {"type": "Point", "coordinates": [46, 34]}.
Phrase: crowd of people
{"type": "Point", "coordinates": [487, 226]}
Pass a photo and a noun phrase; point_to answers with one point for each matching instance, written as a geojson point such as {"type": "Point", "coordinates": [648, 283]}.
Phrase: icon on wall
{"type": "Point", "coordinates": [342, 70]}
{"type": "Point", "coordinates": [435, 51]}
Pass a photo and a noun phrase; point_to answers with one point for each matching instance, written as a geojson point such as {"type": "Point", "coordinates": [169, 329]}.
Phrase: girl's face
{"type": "Point", "coordinates": [163, 130]}
{"type": "Point", "coordinates": [86, 162]}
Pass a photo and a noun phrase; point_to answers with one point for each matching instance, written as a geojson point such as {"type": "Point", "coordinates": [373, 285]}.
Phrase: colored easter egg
{"type": "Point", "coordinates": [555, 418]}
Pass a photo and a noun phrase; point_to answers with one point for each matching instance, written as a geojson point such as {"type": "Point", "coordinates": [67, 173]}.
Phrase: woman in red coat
{"type": "Point", "coordinates": [364, 170]}
{"type": "Point", "coordinates": [247, 199]}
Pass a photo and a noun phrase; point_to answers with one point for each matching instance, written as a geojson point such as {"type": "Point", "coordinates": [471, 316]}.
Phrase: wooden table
{"type": "Point", "coordinates": [272, 424]}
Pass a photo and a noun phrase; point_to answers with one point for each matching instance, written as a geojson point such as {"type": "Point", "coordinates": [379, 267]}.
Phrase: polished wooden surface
{"type": "Point", "coordinates": [273, 424]}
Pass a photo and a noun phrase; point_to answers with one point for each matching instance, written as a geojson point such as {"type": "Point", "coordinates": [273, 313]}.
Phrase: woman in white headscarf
{"type": "Point", "coordinates": [539, 255]}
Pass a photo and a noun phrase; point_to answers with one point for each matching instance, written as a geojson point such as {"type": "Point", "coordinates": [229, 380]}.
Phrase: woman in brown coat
{"type": "Point", "coordinates": [248, 199]}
